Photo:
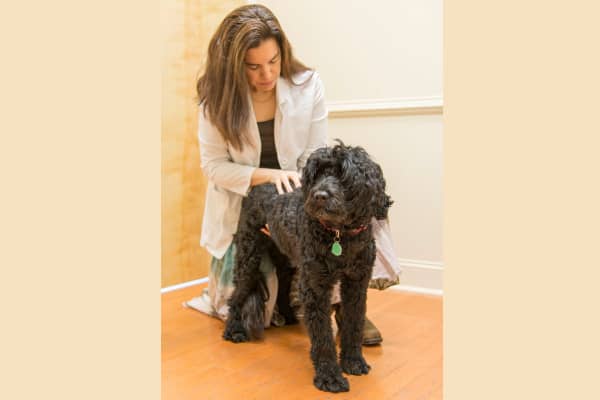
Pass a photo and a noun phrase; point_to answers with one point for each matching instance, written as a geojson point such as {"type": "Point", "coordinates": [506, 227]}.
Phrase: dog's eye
{"type": "Point", "coordinates": [324, 171]}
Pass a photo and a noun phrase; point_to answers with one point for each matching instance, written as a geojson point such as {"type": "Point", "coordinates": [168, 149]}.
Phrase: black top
{"type": "Point", "coordinates": [268, 154]}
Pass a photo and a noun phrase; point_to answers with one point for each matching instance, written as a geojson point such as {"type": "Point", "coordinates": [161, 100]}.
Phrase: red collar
{"type": "Point", "coordinates": [351, 232]}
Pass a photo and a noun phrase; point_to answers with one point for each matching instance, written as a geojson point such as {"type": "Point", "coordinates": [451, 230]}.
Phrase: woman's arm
{"type": "Point", "coordinates": [215, 160]}
{"type": "Point", "coordinates": [217, 165]}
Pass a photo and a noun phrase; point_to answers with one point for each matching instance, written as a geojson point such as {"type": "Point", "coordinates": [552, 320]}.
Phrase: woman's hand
{"type": "Point", "coordinates": [282, 179]}
{"type": "Point", "coordinates": [265, 230]}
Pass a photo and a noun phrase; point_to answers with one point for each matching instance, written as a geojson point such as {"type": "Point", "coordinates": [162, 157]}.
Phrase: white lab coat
{"type": "Point", "coordinates": [300, 128]}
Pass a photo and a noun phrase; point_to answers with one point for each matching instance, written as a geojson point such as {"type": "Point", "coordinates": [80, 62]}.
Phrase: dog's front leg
{"type": "Point", "coordinates": [316, 297]}
{"type": "Point", "coordinates": [354, 298]}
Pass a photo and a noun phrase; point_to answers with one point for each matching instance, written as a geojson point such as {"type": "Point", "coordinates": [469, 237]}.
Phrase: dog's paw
{"type": "Point", "coordinates": [355, 365]}
{"type": "Point", "coordinates": [331, 381]}
{"type": "Point", "coordinates": [235, 333]}
{"type": "Point", "coordinates": [236, 337]}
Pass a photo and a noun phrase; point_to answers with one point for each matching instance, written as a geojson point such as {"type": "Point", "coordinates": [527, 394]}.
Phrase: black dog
{"type": "Point", "coordinates": [324, 230]}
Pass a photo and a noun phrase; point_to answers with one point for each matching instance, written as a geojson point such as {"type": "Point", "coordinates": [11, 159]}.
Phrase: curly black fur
{"type": "Point", "coordinates": [342, 189]}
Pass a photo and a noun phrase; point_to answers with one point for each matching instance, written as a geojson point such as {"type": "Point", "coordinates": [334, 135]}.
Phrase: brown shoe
{"type": "Point", "coordinates": [371, 335]}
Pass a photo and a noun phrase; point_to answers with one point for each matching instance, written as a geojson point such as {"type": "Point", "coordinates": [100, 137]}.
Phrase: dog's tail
{"type": "Point", "coordinates": [253, 310]}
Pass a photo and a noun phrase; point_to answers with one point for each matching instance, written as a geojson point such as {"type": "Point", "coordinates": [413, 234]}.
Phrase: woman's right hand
{"type": "Point", "coordinates": [282, 179]}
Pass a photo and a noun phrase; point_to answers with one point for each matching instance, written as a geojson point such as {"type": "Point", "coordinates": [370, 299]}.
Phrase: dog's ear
{"type": "Point", "coordinates": [382, 203]}
{"type": "Point", "coordinates": [310, 170]}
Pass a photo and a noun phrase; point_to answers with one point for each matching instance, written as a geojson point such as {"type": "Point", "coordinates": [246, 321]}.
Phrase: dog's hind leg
{"type": "Point", "coordinates": [246, 305]}
{"type": "Point", "coordinates": [285, 274]}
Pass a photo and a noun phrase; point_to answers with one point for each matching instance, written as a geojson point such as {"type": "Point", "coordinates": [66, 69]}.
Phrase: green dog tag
{"type": "Point", "coordinates": [336, 249]}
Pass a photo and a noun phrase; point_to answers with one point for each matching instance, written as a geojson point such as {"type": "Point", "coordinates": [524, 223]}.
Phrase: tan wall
{"type": "Point", "coordinates": [186, 28]}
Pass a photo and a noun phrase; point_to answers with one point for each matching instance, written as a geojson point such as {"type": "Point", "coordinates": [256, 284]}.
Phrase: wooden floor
{"type": "Point", "coordinates": [198, 364]}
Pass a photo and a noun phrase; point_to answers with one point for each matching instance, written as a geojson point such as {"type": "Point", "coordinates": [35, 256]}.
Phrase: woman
{"type": "Point", "coordinates": [262, 113]}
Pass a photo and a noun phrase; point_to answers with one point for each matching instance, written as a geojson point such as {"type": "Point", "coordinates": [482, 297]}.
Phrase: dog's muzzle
{"type": "Point", "coordinates": [320, 197]}
{"type": "Point", "coordinates": [325, 201]}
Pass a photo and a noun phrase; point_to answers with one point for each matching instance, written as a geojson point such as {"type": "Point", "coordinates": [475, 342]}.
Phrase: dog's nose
{"type": "Point", "coordinates": [321, 196]}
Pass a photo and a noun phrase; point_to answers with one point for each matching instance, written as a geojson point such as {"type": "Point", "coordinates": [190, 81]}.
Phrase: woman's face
{"type": "Point", "coordinates": [263, 66]}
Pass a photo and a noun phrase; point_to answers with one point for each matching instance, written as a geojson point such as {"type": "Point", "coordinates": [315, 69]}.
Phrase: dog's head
{"type": "Point", "coordinates": [344, 187]}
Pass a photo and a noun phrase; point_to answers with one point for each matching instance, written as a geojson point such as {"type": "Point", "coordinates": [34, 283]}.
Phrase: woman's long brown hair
{"type": "Point", "coordinates": [223, 87]}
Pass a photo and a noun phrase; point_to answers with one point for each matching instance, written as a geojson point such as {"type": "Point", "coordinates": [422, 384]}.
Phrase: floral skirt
{"type": "Point", "coordinates": [213, 300]}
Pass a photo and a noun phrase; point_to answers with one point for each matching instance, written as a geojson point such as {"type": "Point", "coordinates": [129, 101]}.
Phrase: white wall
{"type": "Point", "coordinates": [384, 56]}
{"type": "Point", "coordinates": [409, 151]}
{"type": "Point", "coordinates": [368, 49]}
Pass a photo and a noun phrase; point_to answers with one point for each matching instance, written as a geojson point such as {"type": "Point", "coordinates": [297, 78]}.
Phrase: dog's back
{"type": "Point", "coordinates": [281, 212]}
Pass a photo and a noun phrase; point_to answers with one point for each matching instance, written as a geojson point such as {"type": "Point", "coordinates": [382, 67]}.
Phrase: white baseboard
{"type": "Point", "coordinates": [421, 276]}
{"type": "Point", "coordinates": [416, 289]}
{"type": "Point", "coordinates": [183, 285]}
